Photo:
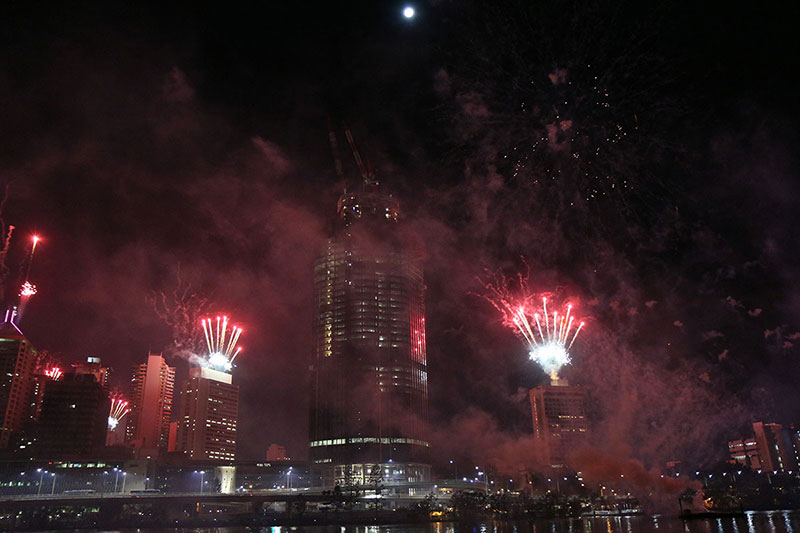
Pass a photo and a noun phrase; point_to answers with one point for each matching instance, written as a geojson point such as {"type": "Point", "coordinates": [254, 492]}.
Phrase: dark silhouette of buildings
{"type": "Point", "coordinates": [74, 419]}
{"type": "Point", "coordinates": [93, 366]}
{"type": "Point", "coordinates": [369, 374]}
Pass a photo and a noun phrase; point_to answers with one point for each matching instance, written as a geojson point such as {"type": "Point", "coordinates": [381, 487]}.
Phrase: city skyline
{"type": "Point", "coordinates": [155, 152]}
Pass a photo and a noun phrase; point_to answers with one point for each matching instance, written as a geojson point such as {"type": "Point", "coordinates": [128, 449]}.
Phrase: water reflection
{"type": "Point", "coordinates": [771, 517]}
{"type": "Point", "coordinates": [752, 522]}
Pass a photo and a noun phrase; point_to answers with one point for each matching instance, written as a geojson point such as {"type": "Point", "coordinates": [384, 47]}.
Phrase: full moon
{"type": "Point", "coordinates": [408, 12]}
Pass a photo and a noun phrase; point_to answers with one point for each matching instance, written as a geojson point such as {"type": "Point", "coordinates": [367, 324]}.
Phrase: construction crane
{"type": "Point", "coordinates": [364, 167]}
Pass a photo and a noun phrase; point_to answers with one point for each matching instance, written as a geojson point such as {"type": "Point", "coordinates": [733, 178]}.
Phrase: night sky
{"type": "Point", "coordinates": [640, 158]}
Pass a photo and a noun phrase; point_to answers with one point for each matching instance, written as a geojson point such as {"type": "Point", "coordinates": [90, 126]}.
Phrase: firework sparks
{"type": "Point", "coordinates": [221, 343]}
{"type": "Point", "coordinates": [54, 373]}
{"type": "Point", "coordinates": [548, 345]}
{"type": "Point", "coordinates": [119, 408]}
{"type": "Point", "coordinates": [27, 290]}
{"type": "Point", "coordinates": [549, 334]}
{"type": "Point", "coordinates": [181, 309]}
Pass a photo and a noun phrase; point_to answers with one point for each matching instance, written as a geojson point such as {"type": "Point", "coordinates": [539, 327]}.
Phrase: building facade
{"type": "Point", "coordinates": [559, 422]}
{"type": "Point", "coordinates": [152, 385]}
{"type": "Point", "coordinates": [209, 411]}
{"type": "Point", "coordinates": [17, 361]}
{"type": "Point", "coordinates": [369, 396]}
{"type": "Point", "coordinates": [745, 452]}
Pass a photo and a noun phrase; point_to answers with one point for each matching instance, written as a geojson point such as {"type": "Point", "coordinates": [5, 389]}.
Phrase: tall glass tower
{"type": "Point", "coordinates": [369, 378]}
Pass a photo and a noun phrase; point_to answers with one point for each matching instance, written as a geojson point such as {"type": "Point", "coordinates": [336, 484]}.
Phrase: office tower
{"type": "Point", "coordinates": [74, 418]}
{"type": "Point", "coordinates": [17, 360]}
{"type": "Point", "coordinates": [775, 447]}
{"type": "Point", "coordinates": [92, 366]}
{"type": "Point", "coordinates": [369, 373]}
{"type": "Point", "coordinates": [151, 406]}
{"type": "Point", "coordinates": [209, 410]}
{"type": "Point", "coordinates": [559, 421]}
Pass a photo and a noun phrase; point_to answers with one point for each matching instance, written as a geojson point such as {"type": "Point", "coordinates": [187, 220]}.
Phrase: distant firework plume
{"type": "Point", "coordinates": [54, 373]}
{"type": "Point", "coordinates": [549, 334]}
{"type": "Point", "coordinates": [221, 343]}
{"type": "Point", "coordinates": [119, 408]}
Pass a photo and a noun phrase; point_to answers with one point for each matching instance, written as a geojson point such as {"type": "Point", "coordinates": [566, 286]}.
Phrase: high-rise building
{"type": "Point", "coordinates": [775, 448]}
{"type": "Point", "coordinates": [559, 421]}
{"type": "Point", "coordinates": [74, 418]}
{"type": "Point", "coordinates": [369, 374]}
{"type": "Point", "coordinates": [209, 411]}
{"type": "Point", "coordinates": [92, 366]}
{"type": "Point", "coordinates": [17, 359]}
{"type": "Point", "coordinates": [152, 386]}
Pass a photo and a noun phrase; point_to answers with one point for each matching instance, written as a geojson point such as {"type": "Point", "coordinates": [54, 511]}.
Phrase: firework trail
{"type": "Point", "coordinates": [119, 408]}
{"type": "Point", "coordinates": [27, 289]}
{"type": "Point", "coordinates": [549, 333]}
{"type": "Point", "coordinates": [221, 343]}
{"type": "Point", "coordinates": [35, 240]}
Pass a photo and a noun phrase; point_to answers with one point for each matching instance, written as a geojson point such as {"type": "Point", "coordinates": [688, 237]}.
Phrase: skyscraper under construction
{"type": "Point", "coordinates": [369, 373]}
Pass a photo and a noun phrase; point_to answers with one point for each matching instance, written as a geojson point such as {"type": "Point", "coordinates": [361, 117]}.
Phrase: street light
{"type": "Point", "coordinates": [202, 476]}
{"type": "Point", "coordinates": [289, 478]}
{"type": "Point", "coordinates": [41, 479]}
{"type": "Point", "coordinates": [455, 469]}
{"type": "Point", "coordinates": [53, 490]}
{"type": "Point", "coordinates": [485, 479]}
{"type": "Point", "coordinates": [116, 479]}
{"type": "Point", "coordinates": [124, 477]}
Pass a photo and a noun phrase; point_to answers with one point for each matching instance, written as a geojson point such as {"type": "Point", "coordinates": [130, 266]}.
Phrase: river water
{"type": "Point", "coordinates": [752, 522]}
